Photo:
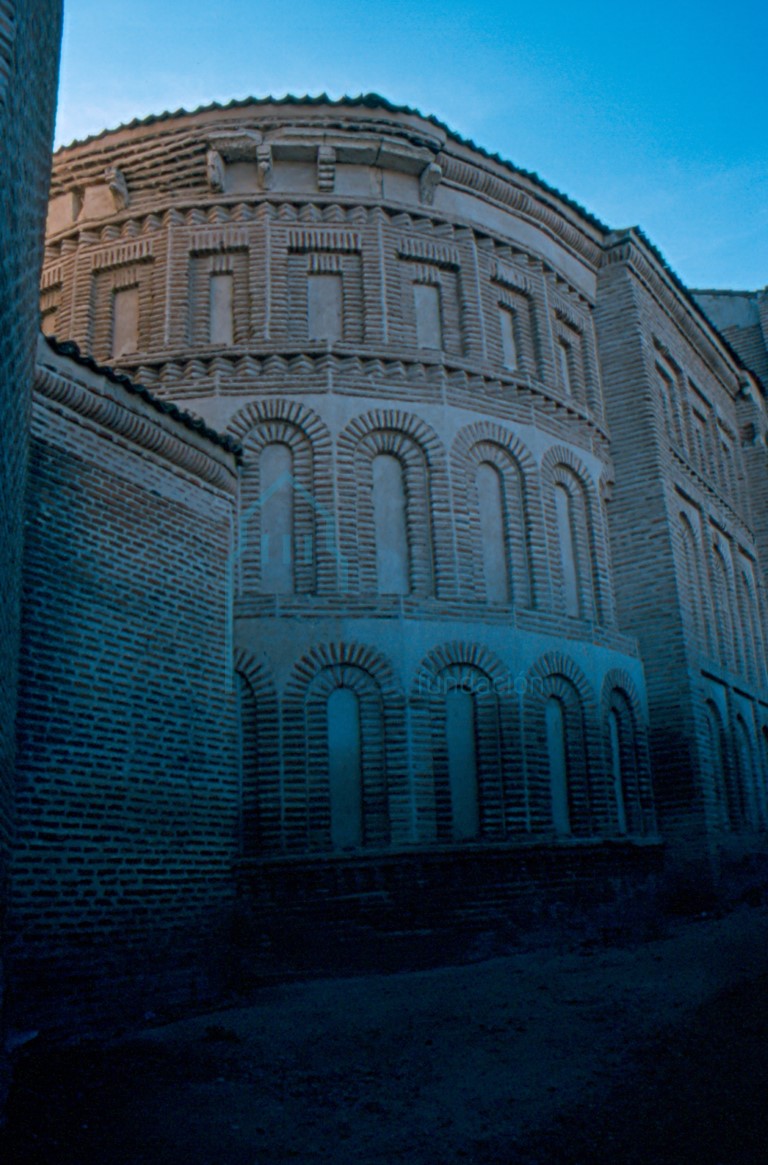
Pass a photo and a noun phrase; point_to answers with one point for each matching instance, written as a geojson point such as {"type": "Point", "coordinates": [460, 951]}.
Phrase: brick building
{"type": "Point", "coordinates": [444, 596]}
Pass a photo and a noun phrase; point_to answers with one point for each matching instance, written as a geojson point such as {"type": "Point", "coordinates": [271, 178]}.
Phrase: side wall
{"type": "Point", "coordinates": [29, 49]}
{"type": "Point", "coordinates": [127, 797]}
{"type": "Point", "coordinates": [687, 442]}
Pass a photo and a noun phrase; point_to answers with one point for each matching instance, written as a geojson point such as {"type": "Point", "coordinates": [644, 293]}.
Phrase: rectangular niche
{"type": "Point", "coordinates": [431, 307]}
{"type": "Point", "coordinates": [125, 322]}
{"type": "Point", "coordinates": [670, 383]}
{"type": "Point", "coordinates": [325, 292]}
{"type": "Point", "coordinates": [513, 341]}
{"type": "Point", "coordinates": [428, 315]}
{"type": "Point", "coordinates": [574, 352]}
{"type": "Point", "coordinates": [219, 302]}
{"type": "Point", "coordinates": [571, 374]}
{"type": "Point", "coordinates": [221, 308]}
{"type": "Point", "coordinates": [325, 306]}
{"type": "Point", "coordinates": [121, 311]}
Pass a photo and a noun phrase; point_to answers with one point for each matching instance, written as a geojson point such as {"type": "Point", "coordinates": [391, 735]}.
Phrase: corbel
{"type": "Point", "coordinates": [429, 180]}
{"type": "Point", "coordinates": [214, 167]}
{"type": "Point", "coordinates": [118, 187]}
{"type": "Point", "coordinates": [326, 168]}
{"type": "Point", "coordinates": [264, 165]}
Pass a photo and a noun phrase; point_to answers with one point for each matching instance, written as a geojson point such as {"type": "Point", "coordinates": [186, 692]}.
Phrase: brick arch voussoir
{"type": "Point", "coordinates": [334, 657]}
{"type": "Point", "coordinates": [393, 421]}
{"type": "Point", "coordinates": [458, 654]}
{"type": "Point", "coordinates": [557, 663]}
{"type": "Point", "coordinates": [392, 441]}
{"type": "Point", "coordinates": [618, 680]}
{"type": "Point", "coordinates": [257, 673]}
{"type": "Point", "coordinates": [561, 465]}
{"type": "Point", "coordinates": [284, 415]}
{"type": "Point", "coordinates": [342, 675]}
{"type": "Point", "coordinates": [494, 434]}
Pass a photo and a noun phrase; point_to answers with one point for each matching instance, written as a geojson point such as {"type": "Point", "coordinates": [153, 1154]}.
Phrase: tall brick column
{"type": "Point", "coordinates": [30, 35]}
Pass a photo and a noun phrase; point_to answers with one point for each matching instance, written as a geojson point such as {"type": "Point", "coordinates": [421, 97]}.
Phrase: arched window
{"type": "Point", "coordinates": [340, 748]}
{"type": "Point", "coordinates": [389, 516]}
{"type": "Point", "coordinates": [568, 553]}
{"type": "Point", "coordinates": [345, 769]}
{"type": "Point", "coordinates": [490, 496]}
{"type": "Point", "coordinates": [277, 549]}
{"type": "Point", "coordinates": [461, 741]}
{"type": "Point", "coordinates": [557, 752]}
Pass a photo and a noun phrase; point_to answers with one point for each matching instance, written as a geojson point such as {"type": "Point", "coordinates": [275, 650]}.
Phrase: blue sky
{"type": "Point", "coordinates": [651, 115]}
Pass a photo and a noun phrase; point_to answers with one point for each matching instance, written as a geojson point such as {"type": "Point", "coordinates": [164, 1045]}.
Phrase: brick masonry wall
{"type": "Point", "coordinates": [646, 598]}
{"type": "Point", "coordinates": [686, 531]}
{"type": "Point", "coordinates": [29, 47]}
{"type": "Point", "coordinates": [596, 321]}
{"type": "Point", "coordinates": [441, 410]}
{"type": "Point", "coordinates": [127, 786]}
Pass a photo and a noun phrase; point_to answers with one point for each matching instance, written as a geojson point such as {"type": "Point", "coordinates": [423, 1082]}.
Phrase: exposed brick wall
{"type": "Point", "coordinates": [441, 409]}
{"type": "Point", "coordinates": [127, 790]}
{"type": "Point", "coordinates": [560, 357]}
{"type": "Point", "coordinates": [29, 48]}
{"type": "Point", "coordinates": [686, 532]}
{"type": "Point", "coordinates": [646, 599]}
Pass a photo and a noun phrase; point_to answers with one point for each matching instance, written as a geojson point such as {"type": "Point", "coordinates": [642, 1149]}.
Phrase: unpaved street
{"type": "Point", "coordinates": [656, 1052]}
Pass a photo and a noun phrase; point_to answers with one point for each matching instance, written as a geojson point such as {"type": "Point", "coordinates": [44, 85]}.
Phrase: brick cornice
{"type": "Point", "coordinates": [627, 248]}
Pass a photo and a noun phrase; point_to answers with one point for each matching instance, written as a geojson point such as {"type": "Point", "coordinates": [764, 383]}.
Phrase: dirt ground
{"type": "Point", "coordinates": [652, 1053]}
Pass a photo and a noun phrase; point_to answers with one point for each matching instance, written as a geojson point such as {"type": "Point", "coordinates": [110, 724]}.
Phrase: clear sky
{"type": "Point", "coordinates": [651, 114]}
